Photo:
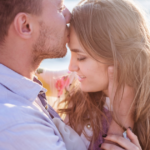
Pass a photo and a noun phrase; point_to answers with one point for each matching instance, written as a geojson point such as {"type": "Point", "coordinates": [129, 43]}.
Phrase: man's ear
{"type": "Point", "coordinates": [23, 25]}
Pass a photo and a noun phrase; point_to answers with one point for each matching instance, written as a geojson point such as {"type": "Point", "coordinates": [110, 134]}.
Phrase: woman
{"type": "Point", "coordinates": [110, 33]}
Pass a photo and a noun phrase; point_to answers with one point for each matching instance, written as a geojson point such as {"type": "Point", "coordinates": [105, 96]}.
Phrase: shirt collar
{"type": "Point", "coordinates": [19, 84]}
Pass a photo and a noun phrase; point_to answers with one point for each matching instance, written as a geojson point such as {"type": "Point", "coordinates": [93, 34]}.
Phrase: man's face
{"type": "Point", "coordinates": [53, 32]}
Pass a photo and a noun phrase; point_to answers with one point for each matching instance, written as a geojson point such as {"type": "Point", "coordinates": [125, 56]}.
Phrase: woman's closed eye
{"type": "Point", "coordinates": [81, 58]}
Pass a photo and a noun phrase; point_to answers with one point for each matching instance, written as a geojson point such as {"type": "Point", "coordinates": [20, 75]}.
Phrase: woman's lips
{"type": "Point", "coordinates": [81, 78]}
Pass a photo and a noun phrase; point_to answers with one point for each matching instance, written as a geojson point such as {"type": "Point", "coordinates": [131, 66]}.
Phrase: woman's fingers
{"type": "Point", "coordinates": [122, 142]}
{"type": "Point", "coordinates": [107, 146]}
{"type": "Point", "coordinates": [133, 138]}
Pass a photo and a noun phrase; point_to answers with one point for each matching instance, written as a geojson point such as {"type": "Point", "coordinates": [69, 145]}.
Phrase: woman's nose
{"type": "Point", "coordinates": [73, 67]}
{"type": "Point", "coordinates": [67, 15]}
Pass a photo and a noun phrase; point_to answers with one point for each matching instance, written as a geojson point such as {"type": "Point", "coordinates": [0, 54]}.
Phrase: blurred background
{"type": "Point", "coordinates": [62, 63]}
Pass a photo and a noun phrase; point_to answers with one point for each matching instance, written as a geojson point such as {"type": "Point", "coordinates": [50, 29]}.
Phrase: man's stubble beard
{"type": "Point", "coordinates": [47, 46]}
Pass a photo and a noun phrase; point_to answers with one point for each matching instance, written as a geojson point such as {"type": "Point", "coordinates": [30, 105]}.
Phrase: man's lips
{"type": "Point", "coordinates": [68, 39]}
{"type": "Point", "coordinates": [67, 35]}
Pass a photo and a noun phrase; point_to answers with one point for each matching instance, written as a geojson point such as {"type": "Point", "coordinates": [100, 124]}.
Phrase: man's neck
{"type": "Point", "coordinates": [22, 65]}
{"type": "Point", "coordinates": [24, 71]}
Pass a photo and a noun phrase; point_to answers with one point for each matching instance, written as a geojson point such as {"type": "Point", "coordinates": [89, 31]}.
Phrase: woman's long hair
{"type": "Point", "coordinates": [117, 31]}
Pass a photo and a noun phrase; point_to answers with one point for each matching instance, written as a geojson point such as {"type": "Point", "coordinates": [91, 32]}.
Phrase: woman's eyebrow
{"type": "Point", "coordinates": [76, 50]}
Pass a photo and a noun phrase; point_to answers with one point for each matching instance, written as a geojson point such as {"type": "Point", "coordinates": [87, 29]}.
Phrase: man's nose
{"type": "Point", "coordinates": [67, 15]}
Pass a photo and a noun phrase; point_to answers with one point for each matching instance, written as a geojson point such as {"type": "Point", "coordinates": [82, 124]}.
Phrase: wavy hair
{"type": "Point", "coordinates": [117, 31]}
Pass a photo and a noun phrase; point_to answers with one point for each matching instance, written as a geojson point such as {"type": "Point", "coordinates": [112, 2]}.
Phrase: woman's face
{"type": "Point", "coordinates": [92, 74]}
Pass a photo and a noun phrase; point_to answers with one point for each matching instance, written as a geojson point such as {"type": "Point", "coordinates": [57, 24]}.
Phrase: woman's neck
{"type": "Point", "coordinates": [116, 129]}
{"type": "Point", "coordinates": [123, 110]}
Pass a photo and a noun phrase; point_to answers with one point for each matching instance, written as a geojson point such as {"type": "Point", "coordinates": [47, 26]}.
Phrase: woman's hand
{"type": "Point", "coordinates": [122, 143]}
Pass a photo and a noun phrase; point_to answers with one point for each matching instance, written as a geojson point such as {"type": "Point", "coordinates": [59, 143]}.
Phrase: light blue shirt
{"type": "Point", "coordinates": [22, 125]}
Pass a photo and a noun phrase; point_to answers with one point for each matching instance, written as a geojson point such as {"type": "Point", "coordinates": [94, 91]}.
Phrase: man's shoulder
{"type": "Point", "coordinates": [12, 115]}
{"type": "Point", "coordinates": [28, 127]}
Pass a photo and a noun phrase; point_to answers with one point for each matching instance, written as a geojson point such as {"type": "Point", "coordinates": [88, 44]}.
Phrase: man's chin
{"type": "Point", "coordinates": [64, 52]}
{"type": "Point", "coordinates": [60, 53]}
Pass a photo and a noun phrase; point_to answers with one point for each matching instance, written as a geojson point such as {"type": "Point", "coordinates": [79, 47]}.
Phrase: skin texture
{"type": "Point", "coordinates": [33, 38]}
{"type": "Point", "coordinates": [51, 42]}
{"type": "Point", "coordinates": [93, 75]}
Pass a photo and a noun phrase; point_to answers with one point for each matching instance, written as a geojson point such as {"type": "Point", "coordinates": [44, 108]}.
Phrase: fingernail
{"type": "Point", "coordinates": [100, 145]}
{"type": "Point", "coordinates": [104, 135]}
{"type": "Point", "coordinates": [130, 128]}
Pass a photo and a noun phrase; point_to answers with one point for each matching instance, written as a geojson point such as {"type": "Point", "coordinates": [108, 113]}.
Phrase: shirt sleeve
{"type": "Point", "coordinates": [70, 137]}
{"type": "Point", "coordinates": [30, 137]}
{"type": "Point", "coordinates": [88, 131]}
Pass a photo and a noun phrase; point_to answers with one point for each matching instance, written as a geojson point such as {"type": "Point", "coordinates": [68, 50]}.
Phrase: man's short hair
{"type": "Point", "coordinates": [10, 8]}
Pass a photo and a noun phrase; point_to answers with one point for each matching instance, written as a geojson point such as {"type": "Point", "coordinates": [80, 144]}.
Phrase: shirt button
{"type": "Point", "coordinates": [46, 107]}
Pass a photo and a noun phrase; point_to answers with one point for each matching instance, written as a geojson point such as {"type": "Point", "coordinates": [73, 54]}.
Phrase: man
{"type": "Point", "coordinates": [30, 31]}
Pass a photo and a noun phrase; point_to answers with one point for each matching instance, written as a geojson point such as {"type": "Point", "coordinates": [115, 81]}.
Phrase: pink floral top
{"type": "Point", "coordinates": [59, 84]}
{"type": "Point", "coordinates": [64, 84]}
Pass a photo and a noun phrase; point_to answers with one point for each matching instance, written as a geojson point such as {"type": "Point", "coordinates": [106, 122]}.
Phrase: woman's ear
{"type": "Point", "coordinates": [23, 25]}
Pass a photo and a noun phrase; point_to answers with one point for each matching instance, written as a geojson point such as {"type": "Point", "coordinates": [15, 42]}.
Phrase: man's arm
{"type": "Point", "coordinates": [30, 136]}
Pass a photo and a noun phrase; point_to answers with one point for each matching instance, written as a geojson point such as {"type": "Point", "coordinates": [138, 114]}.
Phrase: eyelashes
{"type": "Point", "coordinates": [81, 59]}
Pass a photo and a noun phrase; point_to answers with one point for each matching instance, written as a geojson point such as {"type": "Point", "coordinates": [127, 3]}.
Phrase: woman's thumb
{"type": "Point", "coordinates": [133, 138]}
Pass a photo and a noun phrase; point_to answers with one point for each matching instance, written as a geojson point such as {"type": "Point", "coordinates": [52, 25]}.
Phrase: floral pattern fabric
{"type": "Point", "coordinates": [59, 84]}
